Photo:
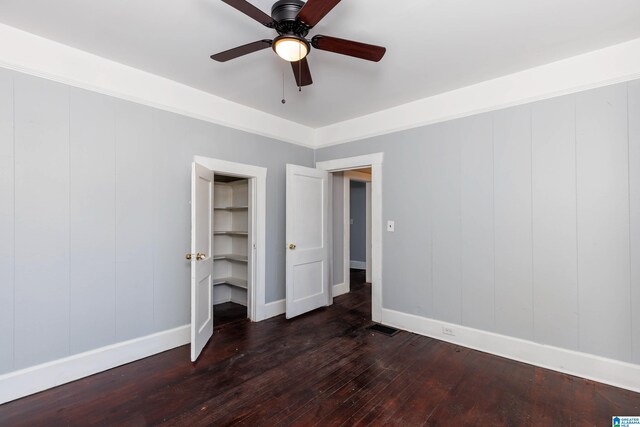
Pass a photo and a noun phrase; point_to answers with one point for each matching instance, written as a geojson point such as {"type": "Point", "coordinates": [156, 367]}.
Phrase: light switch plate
{"type": "Point", "coordinates": [391, 226]}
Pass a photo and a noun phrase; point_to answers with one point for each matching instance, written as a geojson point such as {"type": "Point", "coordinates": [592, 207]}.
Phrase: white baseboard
{"type": "Point", "coordinates": [275, 308]}
{"type": "Point", "coordinates": [340, 289]}
{"type": "Point", "coordinates": [358, 265]}
{"type": "Point", "coordinates": [241, 301]}
{"type": "Point", "coordinates": [24, 382]}
{"type": "Point", "coordinates": [596, 368]}
{"type": "Point", "coordinates": [221, 300]}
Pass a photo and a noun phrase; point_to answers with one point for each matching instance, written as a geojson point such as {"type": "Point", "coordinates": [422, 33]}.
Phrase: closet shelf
{"type": "Point", "coordinates": [233, 281]}
{"type": "Point", "coordinates": [231, 257]}
{"type": "Point", "coordinates": [230, 233]}
{"type": "Point", "coordinates": [232, 208]}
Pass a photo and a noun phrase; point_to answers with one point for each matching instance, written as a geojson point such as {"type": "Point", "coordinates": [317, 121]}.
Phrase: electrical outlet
{"type": "Point", "coordinates": [448, 331]}
{"type": "Point", "coordinates": [391, 226]}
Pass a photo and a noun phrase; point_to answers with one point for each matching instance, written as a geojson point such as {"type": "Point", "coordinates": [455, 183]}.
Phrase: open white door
{"type": "Point", "coordinates": [307, 239]}
{"type": "Point", "coordinates": [201, 258]}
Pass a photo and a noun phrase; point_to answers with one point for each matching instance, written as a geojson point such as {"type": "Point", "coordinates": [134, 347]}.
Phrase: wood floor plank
{"type": "Point", "coordinates": [440, 374]}
{"type": "Point", "coordinates": [286, 401]}
{"type": "Point", "coordinates": [329, 395]}
{"type": "Point", "coordinates": [324, 368]}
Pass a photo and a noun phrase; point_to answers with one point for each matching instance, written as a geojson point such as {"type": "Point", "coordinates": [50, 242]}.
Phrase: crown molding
{"type": "Point", "coordinates": [35, 55]}
{"type": "Point", "coordinates": [614, 64]}
{"type": "Point", "coordinates": [41, 57]}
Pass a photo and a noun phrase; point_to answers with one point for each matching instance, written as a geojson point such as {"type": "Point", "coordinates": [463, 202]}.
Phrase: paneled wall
{"type": "Point", "coordinates": [634, 195]}
{"type": "Point", "coordinates": [95, 216]}
{"type": "Point", "coordinates": [7, 223]}
{"type": "Point", "coordinates": [524, 221]}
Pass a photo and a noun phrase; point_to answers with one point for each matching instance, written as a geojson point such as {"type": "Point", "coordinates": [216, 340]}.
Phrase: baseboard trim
{"type": "Point", "coordinates": [238, 301]}
{"type": "Point", "coordinates": [340, 289]}
{"type": "Point", "coordinates": [221, 301]}
{"type": "Point", "coordinates": [275, 308]}
{"type": "Point", "coordinates": [24, 382]}
{"type": "Point", "coordinates": [596, 368]}
{"type": "Point", "coordinates": [358, 265]}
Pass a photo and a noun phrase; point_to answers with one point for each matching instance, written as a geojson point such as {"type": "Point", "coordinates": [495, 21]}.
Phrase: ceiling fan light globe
{"type": "Point", "coordinates": [291, 49]}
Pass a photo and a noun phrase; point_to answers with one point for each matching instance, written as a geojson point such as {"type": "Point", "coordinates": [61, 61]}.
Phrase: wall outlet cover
{"type": "Point", "coordinates": [448, 331]}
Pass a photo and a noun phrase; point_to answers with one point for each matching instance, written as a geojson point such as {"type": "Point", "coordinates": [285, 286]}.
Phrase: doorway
{"type": "Point", "coordinates": [228, 204]}
{"type": "Point", "coordinates": [232, 247]}
{"type": "Point", "coordinates": [355, 233]}
{"type": "Point", "coordinates": [372, 162]}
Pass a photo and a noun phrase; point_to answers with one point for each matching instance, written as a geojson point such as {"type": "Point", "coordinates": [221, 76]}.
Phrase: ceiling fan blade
{"type": "Point", "coordinates": [314, 10]}
{"type": "Point", "coordinates": [302, 72]}
{"type": "Point", "coordinates": [251, 11]}
{"type": "Point", "coordinates": [241, 50]}
{"type": "Point", "coordinates": [348, 47]}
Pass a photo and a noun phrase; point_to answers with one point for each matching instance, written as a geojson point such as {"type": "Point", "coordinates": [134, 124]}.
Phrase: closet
{"type": "Point", "coordinates": [231, 242]}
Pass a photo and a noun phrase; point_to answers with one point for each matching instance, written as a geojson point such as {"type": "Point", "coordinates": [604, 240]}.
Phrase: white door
{"type": "Point", "coordinates": [307, 240]}
{"type": "Point", "coordinates": [201, 258]}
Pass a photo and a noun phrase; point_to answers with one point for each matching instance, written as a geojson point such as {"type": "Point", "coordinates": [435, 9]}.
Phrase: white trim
{"type": "Point", "coordinates": [24, 382]}
{"type": "Point", "coordinates": [275, 308]}
{"type": "Point", "coordinates": [256, 295]}
{"type": "Point", "coordinates": [237, 300]}
{"type": "Point", "coordinates": [38, 56]}
{"type": "Point", "coordinates": [358, 265]}
{"type": "Point", "coordinates": [349, 163]}
{"type": "Point", "coordinates": [614, 64]}
{"type": "Point", "coordinates": [596, 368]}
{"type": "Point", "coordinates": [375, 161]}
{"type": "Point", "coordinates": [368, 234]}
{"type": "Point", "coordinates": [340, 289]}
{"type": "Point", "coordinates": [346, 231]}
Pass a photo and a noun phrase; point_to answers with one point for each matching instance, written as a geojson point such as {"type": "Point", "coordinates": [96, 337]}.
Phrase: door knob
{"type": "Point", "coordinates": [189, 256]}
{"type": "Point", "coordinates": [200, 256]}
{"type": "Point", "coordinates": [292, 246]}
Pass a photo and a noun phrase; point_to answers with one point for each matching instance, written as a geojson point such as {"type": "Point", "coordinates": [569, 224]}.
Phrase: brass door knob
{"type": "Point", "coordinates": [292, 246]}
{"type": "Point", "coordinates": [189, 256]}
{"type": "Point", "coordinates": [200, 256]}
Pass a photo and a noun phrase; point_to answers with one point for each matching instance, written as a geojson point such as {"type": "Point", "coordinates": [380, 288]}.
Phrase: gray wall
{"type": "Point", "coordinates": [95, 216]}
{"type": "Point", "coordinates": [525, 221]}
{"type": "Point", "coordinates": [358, 229]}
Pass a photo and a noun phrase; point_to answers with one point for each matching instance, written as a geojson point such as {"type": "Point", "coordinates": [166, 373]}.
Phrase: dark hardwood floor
{"type": "Point", "coordinates": [229, 312]}
{"type": "Point", "coordinates": [325, 368]}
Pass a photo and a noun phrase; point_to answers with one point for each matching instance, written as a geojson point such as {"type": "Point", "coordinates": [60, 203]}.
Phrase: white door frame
{"type": "Point", "coordinates": [349, 176]}
{"type": "Point", "coordinates": [375, 162]}
{"type": "Point", "coordinates": [258, 189]}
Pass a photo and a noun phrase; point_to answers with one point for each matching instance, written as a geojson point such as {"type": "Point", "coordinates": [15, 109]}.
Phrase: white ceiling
{"type": "Point", "coordinates": [432, 46]}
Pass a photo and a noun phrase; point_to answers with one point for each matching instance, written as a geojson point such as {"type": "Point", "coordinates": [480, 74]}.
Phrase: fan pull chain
{"type": "Point", "coordinates": [283, 100]}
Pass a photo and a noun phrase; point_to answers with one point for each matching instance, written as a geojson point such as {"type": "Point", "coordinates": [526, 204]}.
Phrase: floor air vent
{"type": "Point", "coordinates": [386, 330]}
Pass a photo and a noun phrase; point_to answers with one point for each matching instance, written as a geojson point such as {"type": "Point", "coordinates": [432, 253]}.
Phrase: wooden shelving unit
{"type": "Point", "coordinates": [230, 233]}
{"type": "Point", "coordinates": [230, 257]}
{"type": "Point", "coordinates": [231, 240]}
{"type": "Point", "coordinates": [232, 208]}
{"type": "Point", "coordinates": [232, 281]}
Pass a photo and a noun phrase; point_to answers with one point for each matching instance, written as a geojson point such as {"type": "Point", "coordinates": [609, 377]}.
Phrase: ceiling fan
{"type": "Point", "coordinates": [292, 19]}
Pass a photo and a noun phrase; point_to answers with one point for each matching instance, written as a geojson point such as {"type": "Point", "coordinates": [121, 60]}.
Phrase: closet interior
{"type": "Point", "coordinates": [231, 243]}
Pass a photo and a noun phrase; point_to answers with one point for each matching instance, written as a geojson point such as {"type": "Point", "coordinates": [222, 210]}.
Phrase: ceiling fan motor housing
{"type": "Point", "coordinates": [284, 13]}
